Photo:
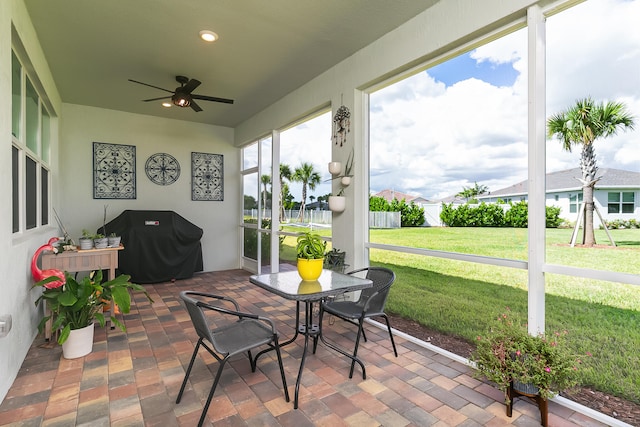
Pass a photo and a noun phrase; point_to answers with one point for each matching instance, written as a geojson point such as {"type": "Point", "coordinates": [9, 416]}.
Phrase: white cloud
{"type": "Point", "coordinates": [432, 140]}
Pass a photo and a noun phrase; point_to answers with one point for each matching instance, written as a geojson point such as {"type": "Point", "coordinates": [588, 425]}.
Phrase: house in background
{"type": "Point", "coordinates": [390, 194]}
{"type": "Point", "coordinates": [616, 194]}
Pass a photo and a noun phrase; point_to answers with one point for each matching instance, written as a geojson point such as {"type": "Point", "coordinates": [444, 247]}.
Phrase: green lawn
{"type": "Point", "coordinates": [460, 298]}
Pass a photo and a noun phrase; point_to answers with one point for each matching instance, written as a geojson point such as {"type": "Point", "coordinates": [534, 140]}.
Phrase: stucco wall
{"type": "Point", "coordinates": [82, 125]}
{"type": "Point", "coordinates": [16, 249]}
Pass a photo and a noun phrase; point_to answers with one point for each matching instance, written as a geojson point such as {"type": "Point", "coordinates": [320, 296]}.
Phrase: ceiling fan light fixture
{"type": "Point", "coordinates": [208, 36]}
{"type": "Point", "coordinates": [181, 100]}
{"type": "Point", "coordinates": [167, 104]}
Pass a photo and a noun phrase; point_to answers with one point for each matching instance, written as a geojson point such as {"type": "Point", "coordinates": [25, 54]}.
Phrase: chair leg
{"type": "Point", "coordinates": [284, 380]}
{"type": "Point", "coordinates": [252, 362]}
{"type": "Point", "coordinates": [393, 343]}
{"type": "Point", "coordinates": [186, 375]}
{"type": "Point", "coordinates": [213, 389]}
{"type": "Point", "coordinates": [355, 350]}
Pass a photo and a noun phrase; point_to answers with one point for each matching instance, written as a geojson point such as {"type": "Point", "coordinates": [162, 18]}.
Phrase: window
{"type": "Point", "coordinates": [574, 202]}
{"type": "Point", "coordinates": [621, 202]}
{"type": "Point", "coordinates": [30, 152]}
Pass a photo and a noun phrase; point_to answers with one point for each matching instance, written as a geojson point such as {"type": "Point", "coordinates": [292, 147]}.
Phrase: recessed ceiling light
{"type": "Point", "coordinates": [208, 36]}
{"type": "Point", "coordinates": [167, 104]}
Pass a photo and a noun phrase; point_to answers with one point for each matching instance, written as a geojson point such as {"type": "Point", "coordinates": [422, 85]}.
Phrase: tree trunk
{"type": "Point", "coordinates": [589, 238]}
{"type": "Point", "coordinates": [302, 205]}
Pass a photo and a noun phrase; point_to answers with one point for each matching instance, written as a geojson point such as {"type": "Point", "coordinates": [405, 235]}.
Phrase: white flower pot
{"type": "Point", "coordinates": [101, 243]}
{"type": "Point", "coordinates": [337, 203]}
{"type": "Point", "coordinates": [85, 243]}
{"type": "Point", "coordinates": [335, 168]}
{"type": "Point", "coordinates": [79, 343]}
{"type": "Point", "coordinates": [114, 242]}
{"type": "Point", "coordinates": [345, 181]}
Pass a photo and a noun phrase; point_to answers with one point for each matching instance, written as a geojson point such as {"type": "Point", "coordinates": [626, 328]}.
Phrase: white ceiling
{"type": "Point", "coordinates": [266, 49]}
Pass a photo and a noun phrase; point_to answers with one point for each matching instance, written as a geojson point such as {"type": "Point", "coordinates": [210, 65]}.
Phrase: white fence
{"type": "Point", "coordinates": [323, 218]}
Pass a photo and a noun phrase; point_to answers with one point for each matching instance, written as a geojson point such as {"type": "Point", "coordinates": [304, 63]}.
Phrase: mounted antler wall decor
{"type": "Point", "coordinates": [341, 125]}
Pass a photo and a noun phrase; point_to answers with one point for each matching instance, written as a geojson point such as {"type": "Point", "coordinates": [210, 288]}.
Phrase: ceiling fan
{"type": "Point", "coordinates": [182, 96]}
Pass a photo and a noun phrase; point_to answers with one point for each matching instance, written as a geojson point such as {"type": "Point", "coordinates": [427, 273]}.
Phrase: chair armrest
{"type": "Point", "coordinates": [240, 314]}
{"type": "Point", "coordinates": [214, 296]}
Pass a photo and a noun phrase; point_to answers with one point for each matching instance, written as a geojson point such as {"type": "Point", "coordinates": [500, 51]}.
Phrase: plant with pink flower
{"type": "Point", "coordinates": [508, 353]}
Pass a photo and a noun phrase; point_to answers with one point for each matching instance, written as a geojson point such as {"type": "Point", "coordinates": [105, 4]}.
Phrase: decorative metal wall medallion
{"type": "Point", "coordinates": [114, 171]}
{"type": "Point", "coordinates": [162, 169]}
{"type": "Point", "coordinates": [207, 179]}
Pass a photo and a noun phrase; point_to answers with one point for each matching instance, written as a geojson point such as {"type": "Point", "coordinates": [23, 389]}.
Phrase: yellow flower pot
{"type": "Point", "coordinates": [309, 287]}
{"type": "Point", "coordinates": [310, 269]}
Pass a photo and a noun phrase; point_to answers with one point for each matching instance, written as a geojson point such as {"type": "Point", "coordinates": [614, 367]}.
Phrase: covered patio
{"type": "Point", "coordinates": [132, 378]}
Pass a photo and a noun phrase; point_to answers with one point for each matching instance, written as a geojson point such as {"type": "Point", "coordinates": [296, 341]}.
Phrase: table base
{"type": "Point", "coordinates": [309, 329]}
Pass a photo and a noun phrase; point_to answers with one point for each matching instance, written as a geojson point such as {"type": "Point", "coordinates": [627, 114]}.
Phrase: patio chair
{"type": "Point", "coordinates": [370, 304]}
{"type": "Point", "coordinates": [235, 333]}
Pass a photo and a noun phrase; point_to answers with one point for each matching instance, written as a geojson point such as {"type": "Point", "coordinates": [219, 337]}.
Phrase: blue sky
{"type": "Point", "coordinates": [464, 67]}
{"type": "Point", "coordinates": [465, 120]}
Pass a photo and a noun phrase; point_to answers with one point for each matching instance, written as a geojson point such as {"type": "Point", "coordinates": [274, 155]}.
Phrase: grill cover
{"type": "Point", "coordinates": [159, 246]}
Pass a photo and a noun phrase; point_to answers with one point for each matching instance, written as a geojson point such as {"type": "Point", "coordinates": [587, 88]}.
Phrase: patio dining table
{"type": "Point", "coordinates": [289, 285]}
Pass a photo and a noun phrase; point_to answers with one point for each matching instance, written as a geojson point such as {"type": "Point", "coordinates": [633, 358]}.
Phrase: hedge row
{"type": "Point", "coordinates": [493, 215]}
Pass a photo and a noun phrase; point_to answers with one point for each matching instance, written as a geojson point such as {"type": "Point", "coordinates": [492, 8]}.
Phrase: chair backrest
{"type": "Point", "coordinates": [382, 279]}
{"type": "Point", "coordinates": [197, 315]}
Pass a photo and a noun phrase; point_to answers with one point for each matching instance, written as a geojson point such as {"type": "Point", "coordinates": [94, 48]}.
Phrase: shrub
{"type": "Point", "coordinates": [518, 215]}
{"type": "Point", "coordinates": [411, 215]}
{"type": "Point", "coordinates": [492, 215]}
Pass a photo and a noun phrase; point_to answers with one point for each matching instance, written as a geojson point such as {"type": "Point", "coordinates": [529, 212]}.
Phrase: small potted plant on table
{"type": "Point", "coordinates": [86, 240]}
{"type": "Point", "coordinates": [520, 364]}
{"type": "Point", "coordinates": [310, 248]}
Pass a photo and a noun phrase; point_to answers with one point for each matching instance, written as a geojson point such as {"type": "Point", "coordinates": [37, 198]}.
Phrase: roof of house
{"type": "Point", "coordinates": [568, 180]}
{"type": "Point", "coordinates": [390, 194]}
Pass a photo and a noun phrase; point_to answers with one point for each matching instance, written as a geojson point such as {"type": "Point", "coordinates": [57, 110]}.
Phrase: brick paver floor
{"type": "Point", "coordinates": [132, 378]}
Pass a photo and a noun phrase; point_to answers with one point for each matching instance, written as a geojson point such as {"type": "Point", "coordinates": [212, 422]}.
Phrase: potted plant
{"type": "Point", "coordinates": [519, 363]}
{"type": "Point", "coordinates": [75, 306]}
{"type": "Point", "coordinates": [310, 249]}
{"type": "Point", "coordinates": [114, 240]}
{"type": "Point", "coordinates": [334, 260]}
{"type": "Point", "coordinates": [86, 240]}
{"type": "Point", "coordinates": [100, 241]}
{"type": "Point", "coordinates": [338, 202]}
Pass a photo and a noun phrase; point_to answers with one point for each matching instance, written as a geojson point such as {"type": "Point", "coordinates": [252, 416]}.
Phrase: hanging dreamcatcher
{"type": "Point", "coordinates": [341, 125]}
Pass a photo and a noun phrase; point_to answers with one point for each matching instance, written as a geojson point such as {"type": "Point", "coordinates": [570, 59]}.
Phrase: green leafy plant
{"type": "Point", "coordinates": [509, 353]}
{"type": "Point", "coordinates": [310, 246]}
{"type": "Point", "coordinates": [334, 260]}
{"type": "Point", "coordinates": [75, 305]}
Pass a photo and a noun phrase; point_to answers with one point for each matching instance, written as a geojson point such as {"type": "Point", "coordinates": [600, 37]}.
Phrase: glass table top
{"type": "Point", "coordinates": [289, 285]}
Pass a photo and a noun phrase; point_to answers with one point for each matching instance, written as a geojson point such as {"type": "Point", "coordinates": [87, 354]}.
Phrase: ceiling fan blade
{"type": "Point", "coordinates": [155, 99]}
{"type": "Point", "coordinates": [212, 98]}
{"type": "Point", "coordinates": [146, 84]}
{"type": "Point", "coordinates": [195, 106]}
{"type": "Point", "coordinates": [191, 85]}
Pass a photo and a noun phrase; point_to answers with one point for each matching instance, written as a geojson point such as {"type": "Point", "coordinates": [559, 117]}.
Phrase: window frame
{"type": "Point", "coordinates": [620, 204]}
{"type": "Point", "coordinates": [31, 196]}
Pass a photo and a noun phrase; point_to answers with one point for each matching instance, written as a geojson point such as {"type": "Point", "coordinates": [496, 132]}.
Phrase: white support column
{"type": "Point", "coordinates": [537, 167]}
{"type": "Point", "coordinates": [275, 200]}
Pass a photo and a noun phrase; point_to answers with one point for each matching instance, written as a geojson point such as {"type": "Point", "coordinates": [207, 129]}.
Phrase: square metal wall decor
{"type": "Point", "coordinates": [114, 171]}
{"type": "Point", "coordinates": [207, 176]}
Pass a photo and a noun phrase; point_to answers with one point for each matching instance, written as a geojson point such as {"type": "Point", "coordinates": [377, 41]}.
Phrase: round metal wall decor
{"type": "Point", "coordinates": [162, 169]}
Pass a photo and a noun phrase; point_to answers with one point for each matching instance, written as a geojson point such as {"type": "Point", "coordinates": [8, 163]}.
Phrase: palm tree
{"type": "Point", "coordinates": [285, 173]}
{"type": "Point", "coordinates": [472, 192]}
{"type": "Point", "coordinates": [582, 124]}
{"type": "Point", "coordinates": [309, 178]}
{"type": "Point", "coordinates": [265, 180]}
